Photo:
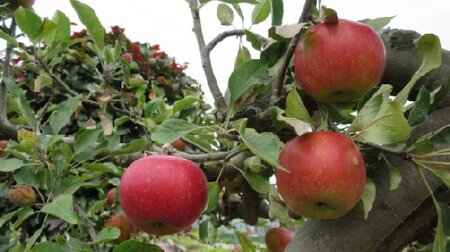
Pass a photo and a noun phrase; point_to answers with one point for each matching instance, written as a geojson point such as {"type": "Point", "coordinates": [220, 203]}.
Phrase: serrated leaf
{"type": "Point", "coordinates": [184, 103]}
{"type": "Point", "coordinates": [213, 196]}
{"type": "Point", "coordinates": [377, 23]}
{"type": "Point", "coordinates": [61, 116]}
{"type": "Point", "coordinates": [89, 18]}
{"type": "Point", "coordinates": [421, 107]}
{"type": "Point", "coordinates": [253, 39]}
{"type": "Point", "coordinates": [243, 56]}
{"type": "Point", "coordinates": [22, 102]}
{"type": "Point", "coordinates": [132, 245]}
{"type": "Point", "coordinates": [62, 207]}
{"type": "Point", "coordinates": [261, 11]}
{"type": "Point", "coordinates": [246, 243]}
{"type": "Point", "coordinates": [295, 107]}
{"type": "Point", "coordinates": [369, 196]}
{"type": "Point", "coordinates": [244, 77]}
{"type": "Point", "coordinates": [10, 164]}
{"type": "Point", "coordinates": [135, 145]}
{"type": "Point", "coordinates": [277, 10]}
{"type": "Point", "coordinates": [29, 23]}
{"type": "Point", "coordinates": [86, 139]}
{"type": "Point", "coordinates": [107, 234]}
{"type": "Point", "coordinates": [257, 182]}
{"type": "Point", "coordinates": [430, 52]}
{"type": "Point", "coordinates": [225, 14]}
{"type": "Point", "coordinates": [389, 126]}
{"type": "Point", "coordinates": [172, 129]}
{"type": "Point", "coordinates": [107, 167]}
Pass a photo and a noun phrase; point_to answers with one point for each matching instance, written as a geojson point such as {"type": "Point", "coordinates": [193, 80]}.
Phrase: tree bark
{"type": "Point", "coordinates": [397, 217]}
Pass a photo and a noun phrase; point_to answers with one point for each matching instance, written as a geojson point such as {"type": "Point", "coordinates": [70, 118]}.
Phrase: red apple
{"type": "Point", "coordinates": [179, 144]}
{"type": "Point", "coordinates": [339, 62]}
{"type": "Point", "coordinates": [163, 194]}
{"type": "Point", "coordinates": [325, 175]}
{"type": "Point", "coordinates": [22, 195]}
{"type": "Point", "coordinates": [121, 222]}
{"type": "Point", "coordinates": [277, 239]}
{"type": "Point", "coordinates": [3, 144]}
{"type": "Point", "coordinates": [110, 197]}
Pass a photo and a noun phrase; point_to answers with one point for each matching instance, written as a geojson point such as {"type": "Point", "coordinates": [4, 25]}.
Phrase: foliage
{"type": "Point", "coordinates": [89, 102]}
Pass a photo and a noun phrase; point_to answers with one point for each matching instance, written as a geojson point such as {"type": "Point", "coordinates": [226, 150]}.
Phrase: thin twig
{"type": "Point", "coordinates": [277, 86]}
{"type": "Point", "coordinates": [220, 37]}
{"type": "Point", "coordinates": [206, 63]}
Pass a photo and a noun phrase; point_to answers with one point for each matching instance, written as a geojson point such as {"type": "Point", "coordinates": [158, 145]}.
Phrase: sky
{"type": "Point", "coordinates": [169, 24]}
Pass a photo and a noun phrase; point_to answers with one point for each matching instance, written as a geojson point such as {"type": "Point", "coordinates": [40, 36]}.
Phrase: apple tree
{"type": "Point", "coordinates": [77, 108]}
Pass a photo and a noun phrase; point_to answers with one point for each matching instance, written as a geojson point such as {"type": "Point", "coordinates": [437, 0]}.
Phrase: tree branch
{"type": "Point", "coordinates": [219, 38]}
{"type": "Point", "coordinates": [206, 63]}
{"type": "Point", "coordinates": [6, 128]}
{"type": "Point", "coordinates": [277, 85]}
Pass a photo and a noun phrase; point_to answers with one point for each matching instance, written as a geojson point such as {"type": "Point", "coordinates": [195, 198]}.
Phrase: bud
{"type": "Point", "coordinates": [22, 195]}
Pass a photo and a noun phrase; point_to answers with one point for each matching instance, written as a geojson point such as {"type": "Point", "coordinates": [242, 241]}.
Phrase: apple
{"type": "Point", "coordinates": [179, 144]}
{"type": "Point", "coordinates": [110, 197]}
{"type": "Point", "coordinates": [163, 194]}
{"type": "Point", "coordinates": [277, 239]}
{"type": "Point", "coordinates": [325, 175]}
{"type": "Point", "coordinates": [128, 57]}
{"type": "Point", "coordinates": [339, 61]}
{"type": "Point", "coordinates": [22, 195]}
{"type": "Point", "coordinates": [3, 144]}
{"type": "Point", "coordinates": [121, 222]}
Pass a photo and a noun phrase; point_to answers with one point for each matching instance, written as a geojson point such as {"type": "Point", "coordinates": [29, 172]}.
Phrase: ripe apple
{"type": "Point", "coordinates": [179, 144]}
{"type": "Point", "coordinates": [3, 144]}
{"type": "Point", "coordinates": [325, 175]}
{"type": "Point", "coordinates": [277, 239]}
{"type": "Point", "coordinates": [110, 197]}
{"type": "Point", "coordinates": [22, 195]}
{"type": "Point", "coordinates": [163, 194]}
{"type": "Point", "coordinates": [121, 222]}
{"type": "Point", "coordinates": [339, 61]}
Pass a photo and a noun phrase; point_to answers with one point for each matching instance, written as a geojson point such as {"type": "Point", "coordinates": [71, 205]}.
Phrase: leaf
{"type": "Point", "coordinates": [26, 175]}
{"type": "Point", "coordinates": [246, 244]}
{"type": "Point", "coordinates": [48, 246]}
{"type": "Point", "coordinates": [106, 123]}
{"type": "Point", "coordinates": [277, 208]}
{"type": "Point", "coordinates": [421, 107]}
{"type": "Point", "coordinates": [261, 11]}
{"type": "Point", "coordinates": [130, 245]}
{"type": "Point", "coordinates": [34, 238]}
{"type": "Point", "coordinates": [62, 207]}
{"type": "Point", "coordinates": [257, 182]}
{"type": "Point", "coordinates": [285, 32]}
{"type": "Point", "coordinates": [439, 95]}
{"type": "Point", "coordinates": [62, 34]}
{"type": "Point", "coordinates": [213, 196]}
{"type": "Point", "coordinates": [272, 54]}
{"type": "Point", "coordinates": [242, 56]}
{"type": "Point", "coordinates": [88, 17]}
{"type": "Point", "coordinates": [238, 10]}
{"type": "Point", "coordinates": [239, 1]}
{"type": "Point", "coordinates": [10, 164]}
{"type": "Point", "coordinates": [295, 107]}
{"type": "Point", "coordinates": [203, 230]}
{"type": "Point", "coordinates": [22, 215]}
{"type": "Point", "coordinates": [277, 10]}
{"type": "Point", "coordinates": [8, 38]}
{"type": "Point", "coordinates": [441, 242]}
{"type": "Point", "coordinates": [22, 102]}
{"type": "Point", "coordinates": [430, 52]}
{"type": "Point", "coordinates": [29, 23]}
{"type": "Point", "coordinates": [377, 23]}
{"type": "Point", "coordinates": [225, 14]}
{"type": "Point", "coordinates": [253, 39]}
{"type": "Point", "coordinates": [86, 139]}
{"type": "Point", "coordinates": [395, 177]}
{"type": "Point", "coordinates": [172, 129]}
{"type": "Point", "coordinates": [102, 168]}
{"type": "Point", "coordinates": [107, 234]}
{"type": "Point", "coordinates": [368, 197]}
{"type": "Point", "coordinates": [135, 145]}
{"type": "Point", "coordinates": [5, 217]}
{"type": "Point", "coordinates": [244, 77]}
{"type": "Point", "coordinates": [389, 126]}
{"type": "Point", "coordinates": [184, 103]}
{"type": "Point", "coordinates": [61, 116]}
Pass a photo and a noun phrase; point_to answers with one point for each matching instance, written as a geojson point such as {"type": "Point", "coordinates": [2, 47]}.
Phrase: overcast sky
{"type": "Point", "coordinates": [169, 23]}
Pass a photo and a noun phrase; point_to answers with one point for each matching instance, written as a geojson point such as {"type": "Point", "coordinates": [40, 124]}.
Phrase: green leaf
{"type": "Point", "coordinates": [441, 242]}
{"type": "Point", "coordinates": [8, 38]}
{"type": "Point", "coordinates": [430, 52]}
{"type": "Point", "coordinates": [272, 54]}
{"type": "Point", "coordinates": [130, 245]}
{"type": "Point", "coordinates": [10, 164]}
{"type": "Point", "coordinates": [421, 107]}
{"type": "Point", "coordinates": [225, 14]}
{"type": "Point", "coordinates": [246, 244]}
{"type": "Point", "coordinates": [439, 95]}
{"type": "Point", "coordinates": [257, 182]}
{"type": "Point", "coordinates": [277, 10]}
{"type": "Point", "coordinates": [443, 174]}
{"type": "Point", "coordinates": [277, 208]}
{"type": "Point", "coordinates": [184, 103]}
{"type": "Point", "coordinates": [135, 145]}
{"type": "Point", "coordinates": [285, 32]}
{"type": "Point", "coordinates": [239, 1]}
{"type": "Point", "coordinates": [426, 143]}
{"type": "Point", "coordinates": [107, 234]}
{"type": "Point", "coordinates": [203, 230]}
{"type": "Point", "coordinates": [368, 196]}
{"type": "Point", "coordinates": [389, 126]}
{"type": "Point", "coordinates": [5, 217]}
{"type": "Point", "coordinates": [172, 129]}
{"type": "Point", "coordinates": [261, 11]}
{"type": "Point", "coordinates": [62, 207]}
{"type": "Point", "coordinates": [62, 34]}
{"type": "Point", "coordinates": [29, 23]}
{"type": "Point", "coordinates": [295, 107]}
{"type": "Point", "coordinates": [377, 23]}
{"type": "Point", "coordinates": [242, 56]}
{"type": "Point", "coordinates": [244, 77]}
{"type": "Point", "coordinates": [213, 196]}
{"type": "Point", "coordinates": [88, 17]}
{"type": "Point", "coordinates": [22, 102]}
{"type": "Point", "coordinates": [238, 10]}
{"type": "Point", "coordinates": [395, 177]}
{"type": "Point", "coordinates": [254, 40]}
{"type": "Point", "coordinates": [32, 240]}
{"type": "Point", "coordinates": [48, 246]}
{"type": "Point", "coordinates": [22, 215]}
{"type": "Point", "coordinates": [86, 139]}
{"type": "Point", "coordinates": [102, 168]}
{"type": "Point", "coordinates": [26, 175]}
{"type": "Point", "coordinates": [61, 116]}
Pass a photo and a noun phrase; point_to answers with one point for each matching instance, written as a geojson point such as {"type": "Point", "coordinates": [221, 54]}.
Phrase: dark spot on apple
{"type": "Point", "coordinates": [320, 205]}
{"type": "Point", "coordinates": [338, 93]}
{"type": "Point", "coordinates": [157, 224]}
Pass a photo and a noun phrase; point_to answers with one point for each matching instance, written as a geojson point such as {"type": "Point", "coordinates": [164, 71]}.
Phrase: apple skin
{"type": "Point", "coordinates": [325, 175]}
{"type": "Point", "coordinates": [22, 195]}
{"type": "Point", "coordinates": [277, 239]}
{"type": "Point", "coordinates": [3, 144]}
{"type": "Point", "coordinates": [163, 194]}
{"type": "Point", "coordinates": [179, 144]}
{"type": "Point", "coordinates": [121, 222]}
{"type": "Point", "coordinates": [339, 62]}
{"type": "Point", "coordinates": [110, 197]}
